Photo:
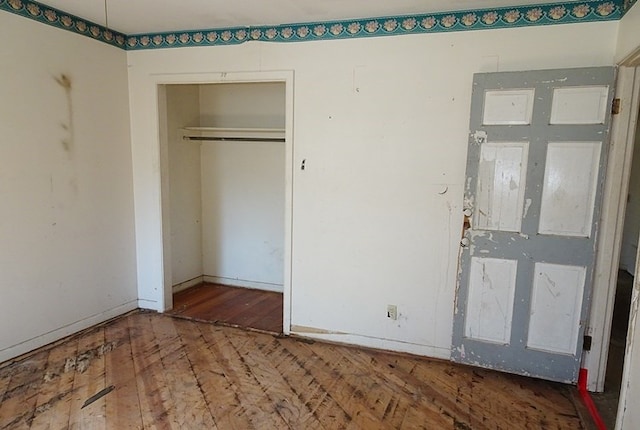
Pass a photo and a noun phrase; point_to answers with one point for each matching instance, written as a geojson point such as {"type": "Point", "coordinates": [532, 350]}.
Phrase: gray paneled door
{"type": "Point", "coordinates": [535, 170]}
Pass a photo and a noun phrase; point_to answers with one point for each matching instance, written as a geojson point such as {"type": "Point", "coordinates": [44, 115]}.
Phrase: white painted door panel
{"type": "Point", "coordinates": [555, 308]}
{"type": "Point", "coordinates": [569, 188]}
{"type": "Point", "coordinates": [580, 105]}
{"type": "Point", "coordinates": [537, 147]}
{"type": "Point", "coordinates": [501, 179]}
{"type": "Point", "coordinates": [508, 107]}
{"type": "Point", "coordinates": [490, 305]}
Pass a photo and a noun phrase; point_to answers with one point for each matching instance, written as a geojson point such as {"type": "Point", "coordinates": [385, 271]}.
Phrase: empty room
{"type": "Point", "coordinates": [303, 214]}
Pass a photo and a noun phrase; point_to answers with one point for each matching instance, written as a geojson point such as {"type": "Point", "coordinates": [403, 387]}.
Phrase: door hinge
{"type": "Point", "coordinates": [615, 106]}
{"type": "Point", "coordinates": [586, 344]}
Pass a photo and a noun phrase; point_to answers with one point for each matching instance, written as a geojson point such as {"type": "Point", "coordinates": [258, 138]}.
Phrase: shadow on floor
{"type": "Point", "coordinates": [607, 402]}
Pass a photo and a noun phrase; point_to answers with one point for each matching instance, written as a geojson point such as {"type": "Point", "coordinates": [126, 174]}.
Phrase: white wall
{"type": "Point", "coordinates": [243, 187]}
{"type": "Point", "coordinates": [382, 124]}
{"type": "Point", "coordinates": [628, 34]}
{"type": "Point", "coordinates": [185, 214]}
{"type": "Point", "coordinates": [243, 213]}
{"type": "Point", "coordinates": [259, 105]}
{"type": "Point", "coordinates": [631, 233]}
{"type": "Point", "coordinates": [67, 259]}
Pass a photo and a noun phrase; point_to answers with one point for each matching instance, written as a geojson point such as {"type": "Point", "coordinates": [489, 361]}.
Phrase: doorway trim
{"type": "Point", "coordinates": [612, 220]}
{"type": "Point", "coordinates": [158, 289]}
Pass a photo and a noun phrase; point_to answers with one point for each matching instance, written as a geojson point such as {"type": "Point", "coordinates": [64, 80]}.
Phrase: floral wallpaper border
{"type": "Point", "coordinates": [61, 19]}
{"type": "Point", "coordinates": [560, 13]}
{"type": "Point", "coordinates": [508, 17]}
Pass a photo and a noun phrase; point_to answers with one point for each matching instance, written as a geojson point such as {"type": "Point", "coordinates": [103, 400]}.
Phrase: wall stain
{"type": "Point", "coordinates": [65, 82]}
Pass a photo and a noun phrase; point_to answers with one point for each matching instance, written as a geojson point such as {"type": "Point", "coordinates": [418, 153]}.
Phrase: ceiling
{"type": "Point", "coordinates": [153, 16]}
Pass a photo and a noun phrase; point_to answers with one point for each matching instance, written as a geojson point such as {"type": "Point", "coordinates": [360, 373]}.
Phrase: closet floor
{"type": "Point", "coordinates": [243, 307]}
{"type": "Point", "coordinates": [607, 402]}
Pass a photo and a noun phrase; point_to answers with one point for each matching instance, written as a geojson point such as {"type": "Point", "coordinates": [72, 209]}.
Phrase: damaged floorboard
{"type": "Point", "coordinates": [176, 373]}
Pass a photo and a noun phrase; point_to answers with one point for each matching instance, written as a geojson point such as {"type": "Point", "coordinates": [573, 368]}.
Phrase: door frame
{"type": "Point", "coordinates": [160, 297]}
{"type": "Point", "coordinates": [612, 220]}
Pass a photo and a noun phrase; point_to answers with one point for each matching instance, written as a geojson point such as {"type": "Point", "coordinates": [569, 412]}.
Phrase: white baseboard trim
{"type": "Point", "coordinates": [244, 284]}
{"type": "Point", "coordinates": [187, 284]}
{"type": "Point", "coordinates": [59, 333]}
{"type": "Point", "coordinates": [373, 342]}
{"type": "Point", "coordinates": [151, 305]}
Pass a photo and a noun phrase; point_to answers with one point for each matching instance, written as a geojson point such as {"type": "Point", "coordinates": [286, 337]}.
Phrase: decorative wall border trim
{"type": "Point", "coordinates": [507, 17]}
{"type": "Point", "coordinates": [66, 21]}
{"type": "Point", "coordinates": [561, 13]}
{"type": "Point", "coordinates": [626, 5]}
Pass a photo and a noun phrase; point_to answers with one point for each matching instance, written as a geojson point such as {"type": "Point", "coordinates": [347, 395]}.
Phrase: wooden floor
{"type": "Point", "coordinates": [243, 307]}
{"type": "Point", "coordinates": [172, 373]}
{"type": "Point", "coordinates": [607, 401]}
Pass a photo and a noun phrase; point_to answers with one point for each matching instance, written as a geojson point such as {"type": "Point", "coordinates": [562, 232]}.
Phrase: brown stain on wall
{"type": "Point", "coordinates": [65, 82]}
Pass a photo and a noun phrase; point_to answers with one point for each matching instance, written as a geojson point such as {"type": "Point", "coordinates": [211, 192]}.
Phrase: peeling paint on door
{"type": "Point", "coordinates": [508, 179]}
{"type": "Point", "coordinates": [479, 136]}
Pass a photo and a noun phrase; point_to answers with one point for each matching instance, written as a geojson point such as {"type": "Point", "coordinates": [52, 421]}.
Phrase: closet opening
{"type": "Point", "coordinates": [607, 401]}
{"type": "Point", "coordinates": [223, 166]}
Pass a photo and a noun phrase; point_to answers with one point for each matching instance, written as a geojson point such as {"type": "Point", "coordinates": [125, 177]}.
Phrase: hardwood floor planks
{"type": "Point", "coordinates": [20, 398]}
{"type": "Point", "coordinates": [260, 411]}
{"type": "Point", "coordinates": [187, 399]}
{"type": "Point", "coordinates": [334, 379]}
{"type": "Point", "coordinates": [171, 373]}
{"type": "Point", "coordinates": [305, 385]}
{"type": "Point", "coordinates": [220, 394]}
{"type": "Point", "coordinates": [89, 379]}
{"type": "Point", "coordinates": [123, 405]}
{"type": "Point", "coordinates": [153, 394]}
{"type": "Point", "coordinates": [244, 307]}
{"type": "Point", "coordinates": [54, 398]}
{"type": "Point", "coordinates": [292, 409]}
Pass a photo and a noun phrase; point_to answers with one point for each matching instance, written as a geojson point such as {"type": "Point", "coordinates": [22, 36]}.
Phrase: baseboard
{"type": "Point", "coordinates": [244, 284]}
{"type": "Point", "coordinates": [151, 305]}
{"type": "Point", "coordinates": [371, 342]}
{"type": "Point", "coordinates": [187, 284]}
{"type": "Point", "coordinates": [54, 335]}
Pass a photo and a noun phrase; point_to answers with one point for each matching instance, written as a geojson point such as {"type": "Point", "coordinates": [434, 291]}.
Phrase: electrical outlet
{"type": "Point", "coordinates": [392, 312]}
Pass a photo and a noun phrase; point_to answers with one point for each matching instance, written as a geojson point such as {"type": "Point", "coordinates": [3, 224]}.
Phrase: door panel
{"type": "Point", "coordinates": [501, 179]}
{"type": "Point", "coordinates": [490, 307]}
{"type": "Point", "coordinates": [537, 149]}
{"type": "Point", "coordinates": [508, 107]}
{"type": "Point", "coordinates": [555, 307]}
{"type": "Point", "coordinates": [569, 188]}
{"type": "Point", "coordinates": [579, 105]}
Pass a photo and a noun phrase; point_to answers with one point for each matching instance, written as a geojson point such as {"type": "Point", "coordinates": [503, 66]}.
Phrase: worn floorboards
{"type": "Point", "coordinates": [242, 307]}
{"type": "Point", "coordinates": [172, 373]}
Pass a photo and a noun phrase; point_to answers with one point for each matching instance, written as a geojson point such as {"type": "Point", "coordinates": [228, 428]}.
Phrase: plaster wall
{"type": "Point", "coordinates": [382, 126]}
{"type": "Point", "coordinates": [68, 258]}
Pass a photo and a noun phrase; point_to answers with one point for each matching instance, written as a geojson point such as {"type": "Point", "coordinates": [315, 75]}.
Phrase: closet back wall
{"type": "Point", "coordinates": [259, 105]}
{"type": "Point", "coordinates": [243, 187]}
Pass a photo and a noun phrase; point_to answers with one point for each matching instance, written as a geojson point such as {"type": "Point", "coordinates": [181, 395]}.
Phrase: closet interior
{"type": "Point", "coordinates": [223, 181]}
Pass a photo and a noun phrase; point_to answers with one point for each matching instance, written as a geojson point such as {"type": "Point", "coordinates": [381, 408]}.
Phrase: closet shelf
{"type": "Point", "coordinates": [233, 134]}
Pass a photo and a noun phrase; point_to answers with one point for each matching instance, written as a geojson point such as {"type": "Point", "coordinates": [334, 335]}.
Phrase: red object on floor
{"type": "Point", "coordinates": [588, 401]}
